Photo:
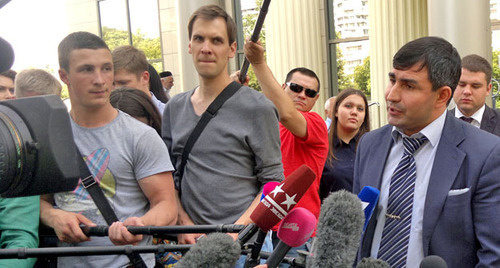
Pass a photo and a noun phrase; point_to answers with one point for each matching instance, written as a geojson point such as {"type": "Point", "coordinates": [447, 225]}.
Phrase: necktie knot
{"type": "Point", "coordinates": [467, 119]}
{"type": "Point", "coordinates": [412, 144]}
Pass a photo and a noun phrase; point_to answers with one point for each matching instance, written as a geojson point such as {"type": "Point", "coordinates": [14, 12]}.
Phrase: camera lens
{"type": "Point", "coordinates": [17, 161]}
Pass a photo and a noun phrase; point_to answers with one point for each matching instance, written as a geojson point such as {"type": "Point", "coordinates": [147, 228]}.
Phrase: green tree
{"type": "Point", "coordinates": [151, 46]}
{"type": "Point", "coordinates": [496, 75]}
{"type": "Point", "coordinates": [361, 77]}
{"type": "Point", "coordinates": [249, 21]}
{"type": "Point", "coordinates": [344, 80]}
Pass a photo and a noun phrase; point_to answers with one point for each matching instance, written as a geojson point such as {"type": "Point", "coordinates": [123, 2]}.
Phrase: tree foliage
{"type": "Point", "coordinates": [343, 80]}
{"type": "Point", "coordinates": [249, 21]}
{"type": "Point", "coordinates": [496, 75]}
{"type": "Point", "coordinates": [361, 77]}
{"type": "Point", "coordinates": [151, 46]}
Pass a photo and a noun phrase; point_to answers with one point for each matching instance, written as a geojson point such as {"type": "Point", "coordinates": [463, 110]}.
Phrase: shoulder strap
{"type": "Point", "coordinates": [104, 207]}
{"type": "Point", "coordinates": [205, 118]}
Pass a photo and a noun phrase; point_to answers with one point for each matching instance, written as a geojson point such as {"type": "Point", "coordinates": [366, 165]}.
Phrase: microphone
{"type": "Point", "coordinates": [214, 250]}
{"type": "Point", "coordinates": [433, 261]}
{"type": "Point", "coordinates": [372, 263]}
{"type": "Point", "coordinates": [339, 231]}
{"type": "Point", "coordinates": [276, 205]}
{"type": "Point", "coordinates": [6, 55]}
{"type": "Point", "coordinates": [295, 229]}
{"type": "Point", "coordinates": [268, 187]}
{"type": "Point", "coordinates": [369, 197]}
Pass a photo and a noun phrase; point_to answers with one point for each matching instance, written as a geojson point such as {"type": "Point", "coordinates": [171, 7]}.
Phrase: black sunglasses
{"type": "Point", "coordinates": [298, 88]}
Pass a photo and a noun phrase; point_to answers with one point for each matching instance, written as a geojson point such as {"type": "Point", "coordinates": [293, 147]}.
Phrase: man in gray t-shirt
{"type": "Point", "coordinates": [238, 151]}
{"type": "Point", "coordinates": [127, 158]}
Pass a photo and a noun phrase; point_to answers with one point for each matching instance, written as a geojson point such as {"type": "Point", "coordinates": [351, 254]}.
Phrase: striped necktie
{"type": "Point", "coordinates": [467, 119]}
{"type": "Point", "coordinates": [396, 233]}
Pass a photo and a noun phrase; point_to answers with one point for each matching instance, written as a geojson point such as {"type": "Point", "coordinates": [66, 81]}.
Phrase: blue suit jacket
{"type": "Point", "coordinates": [463, 229]}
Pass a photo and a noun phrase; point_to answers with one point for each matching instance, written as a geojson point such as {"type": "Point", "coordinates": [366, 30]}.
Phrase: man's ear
{"type": "Point", "coordinates": [189, 48]}
{"type": "Point", "coordinates": [444, 94]}
{"type": "Point", "coordinates": [488, 88]}
{"type": "Point", "coordinates": [63, 75]}
{"type": "Point", "coordinates": [233, 50]}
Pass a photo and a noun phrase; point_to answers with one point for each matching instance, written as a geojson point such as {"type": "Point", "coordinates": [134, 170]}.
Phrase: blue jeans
{"type": "Point", "coordinates": [267, 247]}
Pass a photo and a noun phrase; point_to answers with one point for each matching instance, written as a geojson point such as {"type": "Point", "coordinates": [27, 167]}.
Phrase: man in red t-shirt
{"type": "Point", "coordinates": [304, 137]}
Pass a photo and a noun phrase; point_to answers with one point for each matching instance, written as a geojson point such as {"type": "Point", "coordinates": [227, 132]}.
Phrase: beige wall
{"type": "Point", "coordinates": [82, 16]}
{"type": "Point", "coordinates": [170, 41]}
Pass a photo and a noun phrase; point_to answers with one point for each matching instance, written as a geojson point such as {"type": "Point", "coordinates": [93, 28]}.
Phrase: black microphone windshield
{"type": "Point", "coordinates": [339, 231]}
{"type": "Point", "coordinates": [214, 250]}
{"type": "Point", "coordinates": [6, 55]}
{"type": "Point", "coordinates": [433, 261]}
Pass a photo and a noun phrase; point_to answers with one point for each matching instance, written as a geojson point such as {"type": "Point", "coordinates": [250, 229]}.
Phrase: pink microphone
{"type": "Point", "coordinates": [295, 229]}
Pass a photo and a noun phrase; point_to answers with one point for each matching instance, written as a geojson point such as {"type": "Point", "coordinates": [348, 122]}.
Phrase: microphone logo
{"type": "Point", "coordinates": [290, 225]}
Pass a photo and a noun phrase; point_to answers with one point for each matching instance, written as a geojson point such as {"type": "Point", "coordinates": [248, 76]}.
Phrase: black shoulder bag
{"type": "Point", "coordinates": [205, 118]}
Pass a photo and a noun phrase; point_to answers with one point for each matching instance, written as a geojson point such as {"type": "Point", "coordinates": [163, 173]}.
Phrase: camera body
{"type": "Point", "coordinates": [37, 151]}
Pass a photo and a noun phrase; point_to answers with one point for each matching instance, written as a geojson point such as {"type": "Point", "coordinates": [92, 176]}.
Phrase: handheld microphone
{"type": "Point", "coordinates": [255, 37]}
{"type": "Point", "coordinates": [339, 231]}
{"type": "Point", "coordinates": [295, 229]}
{"type": "Point", "coordinates": [214, 250]}
{"type": "Point", "coordinates": [268, 187]}
{"type": "Point", "coordinates": [372, 263]}
{"type": "Point", "coordinates": [433, 261]}
{"type": "Point", "coordinates": [369, 197]}
{"type": "Point", "coordinates": [276, 205]}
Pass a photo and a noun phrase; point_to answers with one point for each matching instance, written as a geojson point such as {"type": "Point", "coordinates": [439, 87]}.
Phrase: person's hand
{"type": "Point", "coordinates": [261, 266]}
{"type": "Point", "coordinates": [236, 77]}
{"type": "Point", "coordinates": [188, 238]}
{"type": "Point", "coordinates": [254, 52]}
{"type": "Point", "coordinates": [119, 235]}
{"type": "Point", "coordinates": [67, 226]}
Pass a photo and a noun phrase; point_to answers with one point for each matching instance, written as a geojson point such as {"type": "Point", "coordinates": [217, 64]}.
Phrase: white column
{"type": "Point", "coordinates": [392, 24]}
{"type": "Point", "coordinates": [465, 24]}
{"type": "Point", "coordinates": [188, 74]}
{"type": "Point", "coordinates": [295, 38]}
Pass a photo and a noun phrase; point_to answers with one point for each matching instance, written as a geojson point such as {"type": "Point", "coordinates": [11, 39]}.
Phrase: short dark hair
{"type": "Point", "coordinates": [137, 104]}
{"type": "Point", "coordinates": [438, 55]}
{"type": "Point", "coordinates": [9, 74]}
{"type": "Point", "coordinates": [476, 63]}
{"type": "Point", "coordinates": [77, 40]}
{"type": "Point", "coordinates": [304, 71]}
{"type": "Point", "coordinates": [211, 12]}
{"type": "Point", "coordinates": [165, 74]}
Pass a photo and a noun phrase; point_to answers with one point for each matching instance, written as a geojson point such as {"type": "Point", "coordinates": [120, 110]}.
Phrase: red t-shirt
{"type": "Point", "coordinates": [311, 150]}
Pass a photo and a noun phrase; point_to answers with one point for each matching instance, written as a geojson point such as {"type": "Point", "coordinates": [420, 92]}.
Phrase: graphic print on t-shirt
{"type": "Point", "coordinates": [97, 163]}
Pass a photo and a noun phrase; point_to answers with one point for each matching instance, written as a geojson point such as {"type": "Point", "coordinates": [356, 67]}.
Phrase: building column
{"type": "Point", "coordinates": [392, 24]}
{"type": "Point", "coordinates": [295, 37]}
{"type": "Point", "coordinates": [466, 24]}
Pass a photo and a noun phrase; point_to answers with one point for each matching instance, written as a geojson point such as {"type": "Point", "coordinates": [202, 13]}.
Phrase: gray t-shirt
{"type": "Point", "coordinates": [118, 154]}
{"type": "Point", "coordinates": [236, 154]}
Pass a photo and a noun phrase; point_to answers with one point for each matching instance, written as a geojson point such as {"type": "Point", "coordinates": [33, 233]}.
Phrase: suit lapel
{"type": "Point", "coordinates": [447, 163]}
{"type": "Point", "coordinates": [380, 154]}
{"type": "Point", "coordinates": [488, 121]}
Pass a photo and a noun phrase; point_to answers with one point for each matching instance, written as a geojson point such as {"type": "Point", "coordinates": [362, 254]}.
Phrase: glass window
{"type": "Point", "coordinates": [348, 52]}
{"type": "Point", "coordinates": [132, 22]}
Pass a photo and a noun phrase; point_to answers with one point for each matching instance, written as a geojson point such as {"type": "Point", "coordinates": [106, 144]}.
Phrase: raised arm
{"type": "Point", "coordinates": [290, 117]}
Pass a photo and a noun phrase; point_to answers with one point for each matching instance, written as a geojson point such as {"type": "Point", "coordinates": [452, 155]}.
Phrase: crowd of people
{"type": "Point", "coordinates": [173, 160]}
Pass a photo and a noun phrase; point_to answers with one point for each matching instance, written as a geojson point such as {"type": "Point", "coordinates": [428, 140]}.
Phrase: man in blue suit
{"type": "Point", "coordinates": [454, 200]}
{"type": "Point", "coordinates": [470, 96]}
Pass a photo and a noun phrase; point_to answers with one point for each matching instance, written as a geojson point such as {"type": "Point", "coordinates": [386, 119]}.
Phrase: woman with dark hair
{"type": "Point", "coordinates": [155, 85]}
{"type": "Point", "coordinates": [138, 105]}
{"type": "Point", "coordinates": [350, 120]}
